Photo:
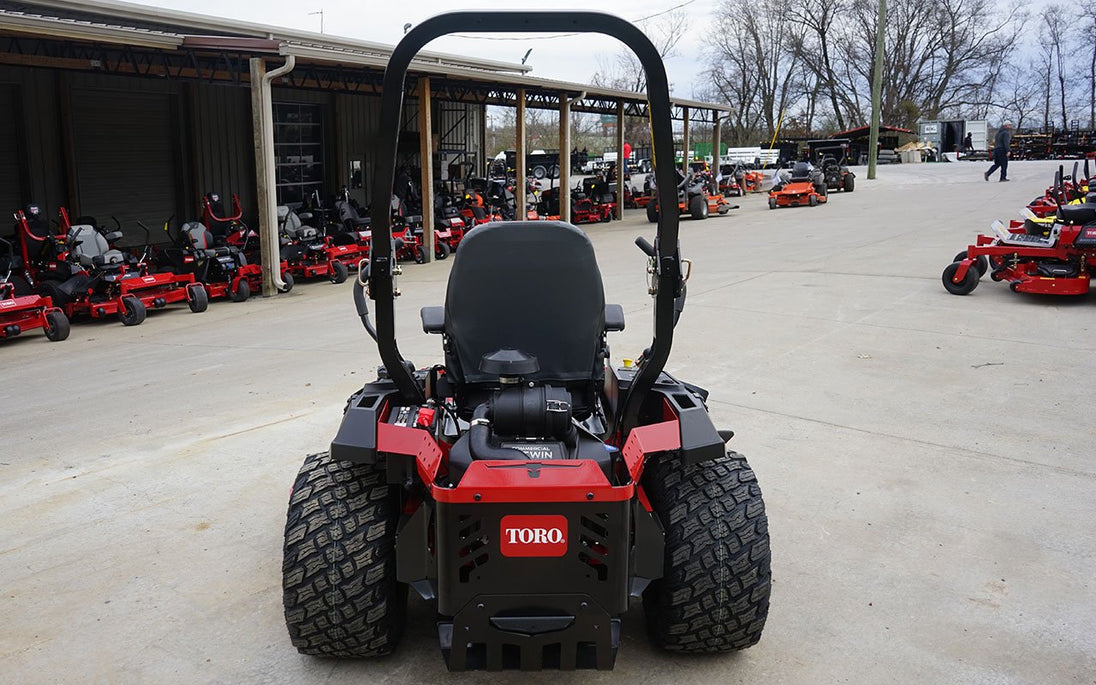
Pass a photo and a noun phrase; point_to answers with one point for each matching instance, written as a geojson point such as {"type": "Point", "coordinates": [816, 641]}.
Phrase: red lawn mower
{"type": "Point", "coordinates": [221, 268]}
{"type": "Point", "coordinates": [802, 185]}
{"type": "Point", "coordinates": [526, 486]}
{"type": "Point", "coordinates": [229, 230]}
{"type": "Point", "coordinates": [22, 312]}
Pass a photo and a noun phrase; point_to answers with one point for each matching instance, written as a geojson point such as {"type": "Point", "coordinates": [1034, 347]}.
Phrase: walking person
{"type": "Point", "coordinates": [968, 143]}
{"type": "Point", "coordinates": [1000, 151]}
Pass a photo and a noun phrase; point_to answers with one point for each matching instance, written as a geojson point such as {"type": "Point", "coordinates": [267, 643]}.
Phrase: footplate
{"type": "Point", "coordinates": [497, 632]}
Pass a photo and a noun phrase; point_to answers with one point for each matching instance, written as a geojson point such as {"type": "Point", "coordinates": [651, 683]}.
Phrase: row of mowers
{"type": "Point", "coordinates": [1050, 251]}
{"type": "Point", "coordinates": [80, 268]}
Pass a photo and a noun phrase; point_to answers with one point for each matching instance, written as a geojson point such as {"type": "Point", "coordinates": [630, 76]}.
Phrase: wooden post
{"type": "Point", "coordinates": [622, 164]}
{"type": "Point", "coordinates": [716, 121]}
{"type": "Point", "coordinates": [484, 162]}
{"type": "Point", "coordinates": [264, 181]}
{"type": "Point", "coordinates": [564, 158]}
{"type": "Point", "coordinates": [519, 151]}
{"type": "Point", "coordinates": [426, 164]}
{"type": "Point", "coordinates": [685, 141]}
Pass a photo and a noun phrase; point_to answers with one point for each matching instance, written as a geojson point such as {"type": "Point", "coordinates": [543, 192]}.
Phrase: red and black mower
{"type": "Point", "coordinates": [1032, 256]}
{"type": "Point", "coordinates": [93, 278]}
{"type": "Point", "coordinates": [694, 197]}
{"type": "Point", "coordinates": [799, 186]}
{"type": "Point", "coordinates": [230, 230]}
{"type": "Point", "coordinates": [25, 311]}
{"type": "Point", "coordinates": [526, 487]}
{"type": "Point", "coordinates": [221, 268]}
{"type": "Point", "coordinates": [309, 254]}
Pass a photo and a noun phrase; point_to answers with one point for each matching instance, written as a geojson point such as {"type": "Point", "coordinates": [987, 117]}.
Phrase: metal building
{"type": "Point", "coordinates": [116, 109]}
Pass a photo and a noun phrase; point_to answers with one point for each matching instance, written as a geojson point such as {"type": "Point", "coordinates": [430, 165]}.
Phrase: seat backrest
{"type": "Point", "coordinates": [801, 171]}
{"type": "Point", "coordinates": [199, 237]}
{"type": "Point", "coordinates": [528, 286]}
{"type": "Point", "coordinates": [88, 243]}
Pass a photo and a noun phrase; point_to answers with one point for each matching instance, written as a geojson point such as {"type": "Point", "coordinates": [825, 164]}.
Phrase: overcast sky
{"type": "Point", "coordinates": [567, 58]}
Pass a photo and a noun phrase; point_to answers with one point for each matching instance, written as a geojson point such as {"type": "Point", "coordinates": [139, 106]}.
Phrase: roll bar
{"type": "Point", "coordinates": [666, 257]}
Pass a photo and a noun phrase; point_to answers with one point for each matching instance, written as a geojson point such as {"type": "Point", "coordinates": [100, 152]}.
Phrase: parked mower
{"type": "Point", "coordinates": [24, 311]}
{"type": "Point", "coordinates": [694, 198]}
{"type": "Point", "coordinates": [230, 230]}
{"type": "Point", "coordinates": [309, 254]}
{"type": "Point", "coordinates": [525, 486]}
{"type": "Point", "coordinates": [1031, 256]}
{"type": "Point", "coordinates": [222, 269]}
{"type": "Point", "coordinates": [801, 185]}
{"type": "Point", "coordinates": [829, 157]}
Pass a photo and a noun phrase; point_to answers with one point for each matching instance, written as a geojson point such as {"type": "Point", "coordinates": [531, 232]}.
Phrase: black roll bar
{"type": "Point", "coordinates": [667, 256]}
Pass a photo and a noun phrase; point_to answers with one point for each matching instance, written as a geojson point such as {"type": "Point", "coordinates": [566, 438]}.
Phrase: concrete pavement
{"type": "Point", "coordinates": [928, 461]}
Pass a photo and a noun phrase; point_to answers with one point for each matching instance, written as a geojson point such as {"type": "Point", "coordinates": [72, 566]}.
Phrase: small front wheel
{"type": "Point", "coordinates": [57, 326]}
{"type": "Point", "coordinates": [287, 278]}
{"type": "Point", "coordinates": [441, 250]}
{"type": "Point", "coordinates": [964, 287]}
{"type": "Point", "coordinates": [242, 291]}
{"type": "Point", "coordinates": [339, 272]}
{"type": "Point", "coordinates": [199, 298]}
{"type": "Point", "coordinates": [420, 254]}
{"type": "Point", "coordinates": [133, 311]}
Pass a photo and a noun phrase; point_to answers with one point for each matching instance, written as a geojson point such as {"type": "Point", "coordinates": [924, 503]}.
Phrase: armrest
{"type": "Point", "coordinates": [113, 236]}
{"type": "Point", "coordinates": [614, 317]}
{"type": "Point", "coordinates": [433, 319]}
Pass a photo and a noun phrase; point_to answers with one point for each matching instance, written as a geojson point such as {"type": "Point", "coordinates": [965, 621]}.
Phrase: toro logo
{"type": "Point", "coordinates": [533, 536]}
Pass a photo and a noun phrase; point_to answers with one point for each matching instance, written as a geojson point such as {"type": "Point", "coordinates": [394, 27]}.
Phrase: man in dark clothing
{"type": "Point", "coordinates": [968, 143]}
{"type": "Point", "coordinates": [1000, 151]}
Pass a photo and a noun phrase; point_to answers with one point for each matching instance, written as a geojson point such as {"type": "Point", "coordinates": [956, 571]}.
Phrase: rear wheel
{"type": "Point", "coordinates": [339, 586]}
{"type": "Point", "coordinates": [539, 172]}
{"type": "Point", "coordinates": [964, 287]}
{"type": "Point", "coordinates": [714, 593]}
{"type": "Point", "coordinates": [339, 272]}
{"type": "Point", "coordinates": [441, 249]}
{"type": "Point", "coordinates": [57, 326]}
{"type": "Point", "coordinates": [133, 311]}
{"type": "Point", "coordinates": [242, 291]}
{"type": "Point", "coordinates": [652, 213]}
{"type": "Point", "coordinates": [198, 300]}
{"type": "Point", "coordinates": [698, 207]}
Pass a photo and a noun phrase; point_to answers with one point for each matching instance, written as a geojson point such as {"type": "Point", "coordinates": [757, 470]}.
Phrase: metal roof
{"type": "Point", "coordinates": [130, 24]}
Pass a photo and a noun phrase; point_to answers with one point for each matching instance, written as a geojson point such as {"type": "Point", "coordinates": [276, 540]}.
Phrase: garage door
{"type": "Point", "coordinates": [11, 182]}
{"type": "Point", "coordinates": [124, 148]}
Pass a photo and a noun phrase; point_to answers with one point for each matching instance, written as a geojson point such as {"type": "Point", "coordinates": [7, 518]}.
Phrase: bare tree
{"type": "Point", "coordinates": [821, 19]}
{"type": "Point", "coordinates": [1055, 26]}
{"type": "Point", "coordinates": [623, 71]}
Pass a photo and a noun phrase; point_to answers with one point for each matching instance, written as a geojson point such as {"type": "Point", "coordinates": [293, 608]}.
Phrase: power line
{"type": "Point", "coordinates": [553, 36]}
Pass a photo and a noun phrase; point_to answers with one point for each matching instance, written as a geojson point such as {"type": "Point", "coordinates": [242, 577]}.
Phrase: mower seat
{"type": "Point", "coordinates": [801, 172]}
{"type": "Point", "coordinates": [1077, 214]}
{"type": "Point", "coordinates": [92, 249]}
{"type": "Point", "coordinates": [529, 286]}
{"type": "Point", "coordinates": [292, 227]}
{"type": "Point", "coordinates": [202, 240]}
{"type": "Point", "coordinates": [350, 218]}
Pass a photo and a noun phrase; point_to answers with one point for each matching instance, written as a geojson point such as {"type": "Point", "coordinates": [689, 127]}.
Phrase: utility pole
{"type": "Point", "coordinates": [876, 89]}
{"type": "Point", "coordinates": [312, 14]}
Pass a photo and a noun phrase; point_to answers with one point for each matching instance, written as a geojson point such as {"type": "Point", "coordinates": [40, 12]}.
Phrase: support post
{"type": "Point", "coordinates": [564, 158]}
{"type": "Point", "coordinates": [877, 88]}
{"type": "Point", "coordinates": [519, 153]}
{"type": "Point", "coordinates": [622, 164]}
{"type": "Point", "coordinates": [484, 162]}
{"type": "Point", "coordinates": [426, 164]}
{"type": "Point", "coordinates": [685, 141]}
{"type": "Point", "coordinates": [262, 124]}
{"type": "Point", "coordinates": [716, 122]}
